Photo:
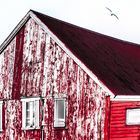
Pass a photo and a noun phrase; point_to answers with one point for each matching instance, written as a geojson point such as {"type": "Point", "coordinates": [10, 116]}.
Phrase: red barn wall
{"type": "Point", "coordinates": [34, 65]}
{"type": "Point", "coordinates": [118, 128]}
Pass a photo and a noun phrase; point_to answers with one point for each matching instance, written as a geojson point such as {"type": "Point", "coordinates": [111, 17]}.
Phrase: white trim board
{"type": "Point", "coordinates": [59, 42]}
{"type": "Point", "coordinates": [1, 116]}
{"type": "Point", "coordinates": [14, 32]}
{"type": "Point", "coordinates": [27, 99]}
{"type": "Point", "coordinates": [63, 46]}
{"type": "Point", "coordinates": [126, 98]}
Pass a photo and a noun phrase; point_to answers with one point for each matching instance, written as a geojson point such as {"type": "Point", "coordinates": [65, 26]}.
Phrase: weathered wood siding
{"type": "Point", "coordinates": [118, 128]}
{"type": "Point", "coordinates": [34, 65]}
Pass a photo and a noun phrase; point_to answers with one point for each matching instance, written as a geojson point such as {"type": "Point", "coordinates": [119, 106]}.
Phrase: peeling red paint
{"type": "Point", "coordinates": [18, 64]}
{"type": "Point", "coordinates": [6, 71]}
{"type": "Point", "coordinates": [42, 69]}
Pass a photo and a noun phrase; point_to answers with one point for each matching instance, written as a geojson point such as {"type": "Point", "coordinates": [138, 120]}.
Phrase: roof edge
{"type": "Point", "coordinates": [78, 62]}
{"type": "Point", "coordinates": [31, 14]}
{"type": "Point", "coordinates": [91, 31]}
{"type": "Point", "coordinates": [14, 31]}
{"type": "Point", "coordinates": [126, 98]}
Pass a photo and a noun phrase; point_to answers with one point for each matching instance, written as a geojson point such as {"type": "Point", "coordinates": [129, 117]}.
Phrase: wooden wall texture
{"type": "Point", "coordinates": [118, 128]}
{"type": "Point", "coordinates": [34, 65]}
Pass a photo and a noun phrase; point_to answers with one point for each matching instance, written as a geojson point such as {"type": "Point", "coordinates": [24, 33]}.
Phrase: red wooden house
{"type": "Point", "coordinates": [63, 82]}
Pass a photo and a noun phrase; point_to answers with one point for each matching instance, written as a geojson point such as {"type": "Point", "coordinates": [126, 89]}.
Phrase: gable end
{"type": "Point", "coordinates": [31, 14]}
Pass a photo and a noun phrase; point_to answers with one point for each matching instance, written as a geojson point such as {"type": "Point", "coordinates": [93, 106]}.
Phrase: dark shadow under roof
{"type": "Point", "coordinates": [116, 63]}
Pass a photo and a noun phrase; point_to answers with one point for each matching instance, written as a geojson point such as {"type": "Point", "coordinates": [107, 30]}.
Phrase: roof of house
{"type": "Point", "coordinates": [116, 63]}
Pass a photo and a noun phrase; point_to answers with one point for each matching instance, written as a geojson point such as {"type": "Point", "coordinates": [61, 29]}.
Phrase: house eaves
{"type": "Point", "coordinates": [32, 15]}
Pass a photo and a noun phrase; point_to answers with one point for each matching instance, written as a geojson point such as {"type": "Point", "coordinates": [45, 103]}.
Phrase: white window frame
{"type": "Point", "coordinates": [59, 122]}
{"type": "Point", "coordinates": [34, 111]}
{"type": "Point", "coordinates": [1, 116]}
{"type": "Point", "coordinates": [133, 116]}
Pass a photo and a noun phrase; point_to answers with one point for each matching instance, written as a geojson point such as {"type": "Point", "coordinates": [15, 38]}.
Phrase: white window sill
{"type": "Point", "coordinates": [59, 125]}
{"type": "Point", "coordinates": [30, 128]}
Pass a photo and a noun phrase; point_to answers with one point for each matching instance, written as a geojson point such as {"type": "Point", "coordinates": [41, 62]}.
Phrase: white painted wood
{"type": "Point", "coordinates": [133, 116]}
{"type": "Point", "coordinates": [125, 98]}
{"type": "Point", "coordinates": [29, 15]}
{"type": "Point", "coordinates": [44, 87]}
{"type": "Point", "coordinates": [34, 111]}
{"type": "Point", "coordinates": [27, 99]}
{"type": "Point", "coordinates": [1, 104]}
{"type": "Point", "coordinates": [23, 114]}
{"type": "Point", "coordinates": [14, 32]}
{"type": "Point", "coordinates": [62, 45]}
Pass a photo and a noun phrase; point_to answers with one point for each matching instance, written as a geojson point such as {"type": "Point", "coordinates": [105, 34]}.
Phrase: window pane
{"type": "Point", "coordinates": [27, 105]}
{"type": "Point", "coordinates": [60, 105]}
{"type": "Point", "coordinates": [29, 113]}
{"type": "Point", "coordinates": [27, 122]}
{"type": "Point", "coordinates": [133, 116]}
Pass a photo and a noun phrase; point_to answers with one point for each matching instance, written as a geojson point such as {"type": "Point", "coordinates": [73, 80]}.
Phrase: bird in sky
{"type": "Point", "coordinates": [112, 14]}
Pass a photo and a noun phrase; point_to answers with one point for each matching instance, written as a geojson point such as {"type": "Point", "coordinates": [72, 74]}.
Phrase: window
{"type": "Point", "coordinates": [30, 113]}
{"type": "Point", "coordinates": [1, 102]}
{"type": "Point", "coordinates": [133, 116]}
{"type": "Point", "coordinates": [59, 112]}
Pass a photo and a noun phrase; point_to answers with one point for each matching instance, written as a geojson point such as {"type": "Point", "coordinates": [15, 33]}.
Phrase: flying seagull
{"type": "Point", "coordinates": [112, 14]}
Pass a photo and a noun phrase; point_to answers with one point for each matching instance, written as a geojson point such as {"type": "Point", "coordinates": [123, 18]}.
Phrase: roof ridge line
{"type": "Point", "coordinates": [88, 30]}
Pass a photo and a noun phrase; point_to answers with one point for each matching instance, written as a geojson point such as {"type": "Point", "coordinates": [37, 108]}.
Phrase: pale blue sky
{"type": "Point", "coordinates": [90, 14]}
